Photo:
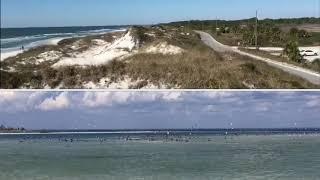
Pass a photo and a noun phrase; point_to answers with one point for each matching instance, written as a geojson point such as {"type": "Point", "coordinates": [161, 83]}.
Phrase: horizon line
{"type": "Point", "coordinates": [150, 24]}
{"type": "Point", "coordinates": [172, 129]}
{"type": "Point", "coordinates": [249, 131]}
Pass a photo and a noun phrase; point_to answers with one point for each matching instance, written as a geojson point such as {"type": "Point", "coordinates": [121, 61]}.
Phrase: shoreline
{"type": "Point", "coordinates": [6, 53]}
{"type": "Point", "coordinates": [140, 58]}
{"type": "Point", "coordinates": [217, 132]}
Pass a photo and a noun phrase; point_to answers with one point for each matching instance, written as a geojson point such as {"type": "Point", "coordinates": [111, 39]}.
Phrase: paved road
{"type": "Point", "coordinates": [309, 75]}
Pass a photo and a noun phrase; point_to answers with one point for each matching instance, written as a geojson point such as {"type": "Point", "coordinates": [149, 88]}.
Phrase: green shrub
{"type": "Point", "coordinates": [316, 65]}
{"type": "Point", "coordinates": [291, 50]}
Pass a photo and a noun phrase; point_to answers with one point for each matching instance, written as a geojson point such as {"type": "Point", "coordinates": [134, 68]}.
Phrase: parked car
{"type": "Point", "coordinates": [308, 53]}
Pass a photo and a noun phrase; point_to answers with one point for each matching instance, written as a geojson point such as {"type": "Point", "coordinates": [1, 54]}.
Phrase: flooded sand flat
{"type": "Point", "coordinates": [175, 157]}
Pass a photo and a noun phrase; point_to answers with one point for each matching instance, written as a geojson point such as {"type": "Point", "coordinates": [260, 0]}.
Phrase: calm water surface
{"type": "Point", "coordinates": [200, 157]}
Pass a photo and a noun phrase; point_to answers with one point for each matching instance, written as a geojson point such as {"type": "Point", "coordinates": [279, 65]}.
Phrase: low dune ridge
{"type": "Point", "coordinates": [155, 57]}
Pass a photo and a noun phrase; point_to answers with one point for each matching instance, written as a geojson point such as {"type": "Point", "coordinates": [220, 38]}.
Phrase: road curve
{"type": "Point", "coordinates": [309, 75]}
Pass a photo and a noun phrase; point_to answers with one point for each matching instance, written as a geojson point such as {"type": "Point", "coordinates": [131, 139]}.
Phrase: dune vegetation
{"type": "Point", "coordinates": [159, 57]}
{"type": "Point", "coordinates": [304, 32]}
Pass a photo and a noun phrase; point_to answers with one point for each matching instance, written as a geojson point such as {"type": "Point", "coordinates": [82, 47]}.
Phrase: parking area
{"type": "Point", "coordinates": [278, 50]}
{"type": "Point", "coordinates": [311, 57]}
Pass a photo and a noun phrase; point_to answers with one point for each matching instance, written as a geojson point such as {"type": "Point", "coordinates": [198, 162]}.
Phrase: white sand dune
{"type": "Point", "coordinates": [5, 55]}
{"type": "Point", "coordinates": [101, 53]}
{"type": "Point", "coordinates": [48, 56]}
{"type": "Point", "coordinates": [126, 83]}
{"type": "Point", "coordinates": [164, 48]}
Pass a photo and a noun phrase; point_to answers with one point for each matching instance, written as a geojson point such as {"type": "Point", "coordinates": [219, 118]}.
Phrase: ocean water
{"type": "Point", "coordinates": [159, 157]}
{"type": "Point", "coordinates": [12, 39]}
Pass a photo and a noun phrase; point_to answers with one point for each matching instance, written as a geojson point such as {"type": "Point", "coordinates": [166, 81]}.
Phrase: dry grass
{"type": "Point", "coordinates": [198, 67]}
{"type": "Point", "coordinates": [230, 39]}
{"type": "Point", "coordinates": [209, 70]}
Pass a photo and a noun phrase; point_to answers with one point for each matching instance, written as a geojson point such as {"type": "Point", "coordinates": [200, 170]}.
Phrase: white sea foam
{"type": "Point", "coordinates": [10, 52]}
{"type": "Point", "coordinates": [59, 34]}
{"type": "Point", "coordinates": [44, 36]}
{"type": "Point", "coordinates": [5, 55]}
{"type": "Point", "coordinates": [96, 31]}
{"type": "Point", "coordinates": [101, 31]}
{"type": "Point", "coordinates": [52, 41]}
{"type": "Point", "coordinates": [43, 39]}
{"type": "Point", "coordinates": [18, 39]}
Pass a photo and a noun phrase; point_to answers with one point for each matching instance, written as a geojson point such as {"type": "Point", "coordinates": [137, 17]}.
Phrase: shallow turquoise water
{"type": "Point", "coordinates": [202, 158]}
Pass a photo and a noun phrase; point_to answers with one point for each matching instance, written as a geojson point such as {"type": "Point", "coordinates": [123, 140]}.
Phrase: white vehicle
{"type": "Point", "coordinates": [308, 53]}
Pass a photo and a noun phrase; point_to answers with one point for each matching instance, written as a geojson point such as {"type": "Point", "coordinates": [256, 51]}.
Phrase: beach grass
{"type": "Point", "coordinates": [197, 67]}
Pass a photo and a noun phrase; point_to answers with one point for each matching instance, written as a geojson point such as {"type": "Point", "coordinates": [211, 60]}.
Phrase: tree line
{"type": "Point", "coordinates": [270, 32]}
{"type": "Point", "coordinates": [4, 128]}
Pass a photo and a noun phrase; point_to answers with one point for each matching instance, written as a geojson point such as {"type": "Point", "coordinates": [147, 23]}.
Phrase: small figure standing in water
{"type": "Point", "coordinates": [22, 48]}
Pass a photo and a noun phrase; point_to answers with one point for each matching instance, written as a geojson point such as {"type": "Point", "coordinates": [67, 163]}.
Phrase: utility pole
{"type": "Point", "coordinates": [188, 26]}
{"type": "Point", "coordinates": [203, 25]}
{"type": "Point", "coordinates": [185, 27]}
{"type": "Point", "coordinates": [256, 31]}
{"type": "Point", "coordinates": [217, 27]}
{"type": "Point", "coordinates": [216, 23]}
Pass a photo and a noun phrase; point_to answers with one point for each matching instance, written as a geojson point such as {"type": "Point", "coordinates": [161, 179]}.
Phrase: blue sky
{"type": "Point", "coordinates": [34, 13]}
{"type": "Point", "coordinates": [143, 110]}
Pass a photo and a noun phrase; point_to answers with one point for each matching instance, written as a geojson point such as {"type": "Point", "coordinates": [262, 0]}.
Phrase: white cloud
{"type": "Point", "coordinates": [263, 106]}
{"type": "Point", "coordinates": [35, 98]}
{"type": "Point", "coordinates": [11, 101]}
{"type": "Point", "coordinates": [226, 97]}
{"type": "Point", "coordinates": [219, 95]}
{"type": "Point", "coordinates": [55, 103]}
{"type": "Point", "coordinates": [287, 95]}
{"type": "Point", "coordinates": [143, 97]}
{"type": "Point", "coordinates": [211, 108]}
{"type": "Point", "coordinates": [156, 96]}
{"type": "Point", "coordinates": [7, 96]}
{"type": "Point", "coordinates": [96, 99]}
{"type": "Point", "coordinates": [314, 103]}
{"type": "Point", "coordinates": [172, 96]}
{"type": "Point", "coordinates": [46, 101]}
